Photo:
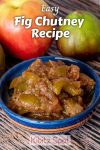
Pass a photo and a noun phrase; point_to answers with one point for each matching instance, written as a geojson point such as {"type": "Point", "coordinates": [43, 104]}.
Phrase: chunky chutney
{"type": "Point", "coordinates": [50, 91]}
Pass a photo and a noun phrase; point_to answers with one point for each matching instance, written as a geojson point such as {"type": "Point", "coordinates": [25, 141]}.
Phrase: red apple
{"type": "Point", "coordinates": [2, 61]}
{"type": "Point", "coordinates": [17, 39]}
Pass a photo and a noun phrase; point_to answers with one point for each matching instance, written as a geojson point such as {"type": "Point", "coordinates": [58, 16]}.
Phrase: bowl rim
{"type": "Point", "coordinates": [54, 122]}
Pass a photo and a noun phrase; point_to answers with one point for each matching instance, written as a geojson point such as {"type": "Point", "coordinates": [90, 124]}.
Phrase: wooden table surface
{"type": "Point", "coordinates": [86, 137]}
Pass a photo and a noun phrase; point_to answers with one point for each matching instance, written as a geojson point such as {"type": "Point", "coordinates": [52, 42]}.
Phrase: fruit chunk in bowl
{"type": "Point", "coordinates": [51, 91]}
